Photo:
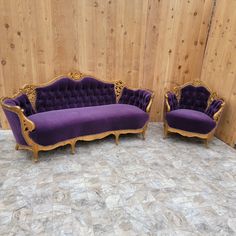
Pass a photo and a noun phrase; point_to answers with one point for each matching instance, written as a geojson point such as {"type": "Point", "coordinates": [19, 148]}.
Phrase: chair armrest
{"type": "Point", "coordinates": [140, 98]}
{"type": "Point", "coordinates": [171, 101]}
{"type": "Point", "coordinates": [19, 123]}
{"type": "Point", "coordinates": [215, 109]}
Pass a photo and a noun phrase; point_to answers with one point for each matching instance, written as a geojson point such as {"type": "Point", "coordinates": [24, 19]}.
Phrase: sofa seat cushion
{"type": "Point", "coordinates": [60, 125]}
{"type": "Point", "coordinates": [190, 120]}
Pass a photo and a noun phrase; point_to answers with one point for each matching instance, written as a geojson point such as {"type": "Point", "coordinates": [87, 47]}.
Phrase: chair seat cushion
{"type": "Point", "coordinates": [190, 120]}
{"type": "Point", "coordinates": [59, 125]}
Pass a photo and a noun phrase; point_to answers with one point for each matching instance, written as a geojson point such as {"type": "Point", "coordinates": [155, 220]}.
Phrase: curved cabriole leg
{"type": "Point", "coordinates": [73, 147]}
{"type": "Point", "coordinates": [35, 154]}
{"type": "Point", "coordinates": [117, 138]}
{"type": "Point", "coordinates": [17, 146]}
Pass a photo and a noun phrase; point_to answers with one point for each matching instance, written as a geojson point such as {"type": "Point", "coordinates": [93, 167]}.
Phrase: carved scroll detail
{"type": "Point", "coordinates": [148, 109]}
{"type": "Point", "coordinates": [213, 96]}
{"type": "Point", "coordinates": [119, 85]}
{"type": "Point", "coordinates": [30, 91]}
{"type": "Point", "coordinates": [27, 125]}
{"type": "Point", "coordinates": [167, 102]}
{"type": "Point", "coordinates": [176, 91]}
{"type": "Point", "coordinates": [197, 83]}
{"type": "Point", "coordinates": [75, 75]}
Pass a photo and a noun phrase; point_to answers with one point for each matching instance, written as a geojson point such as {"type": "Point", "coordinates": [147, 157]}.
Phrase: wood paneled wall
{"type": "Point", "coordinates": [153, 44]}
{"type": "Point", "coordinates": [219, 67]}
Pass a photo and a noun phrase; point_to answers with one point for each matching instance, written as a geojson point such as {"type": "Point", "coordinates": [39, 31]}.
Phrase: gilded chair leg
{"type": "Point", "coordinates": [35, 154]}
{"type": "Point", "coordinates": [17, 146]}
{"type": "Point", "coordinates": [117, 138]}
{"type": "Point", "coordinates": [208, 139]}
{"type": "Point", "coordinates": [144, 134]}
{"type": "Point", "coordinates": [73, 147]}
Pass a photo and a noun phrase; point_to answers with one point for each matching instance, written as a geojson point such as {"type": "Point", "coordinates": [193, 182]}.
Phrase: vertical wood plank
{"type": "Point", "coordinates": [218, 69]}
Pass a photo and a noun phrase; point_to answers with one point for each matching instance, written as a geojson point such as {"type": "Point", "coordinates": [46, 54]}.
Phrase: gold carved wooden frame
{"type": "Point", "coordinates": [177, 91]}
{"type": "Point", "coordinates": [27, 125]}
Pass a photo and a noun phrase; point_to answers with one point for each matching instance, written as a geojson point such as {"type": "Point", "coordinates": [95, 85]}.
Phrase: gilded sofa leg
{"type": "Point", "coordinates": [165, 131]}
{"type": "Point", "coordinates": [117, 138]}
{"type": "Point", "coordinates": [35, 154]}
{"type": "Point", "coordinates": [206, 142]}
{"type": "Point", "coordinates": [73, 147]}
{"type": "Point", "coordinates": [17, 146]}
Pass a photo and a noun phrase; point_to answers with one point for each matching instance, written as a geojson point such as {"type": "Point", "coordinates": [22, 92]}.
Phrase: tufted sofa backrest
{"type": "Point", "coordinates": [139, 98]}
{"type": "Point", "coordinates": [194, 98]}
{"type": "Point", "coordinates": [68, 93]}
{"type": "Point", "coordinates": [23, 102]}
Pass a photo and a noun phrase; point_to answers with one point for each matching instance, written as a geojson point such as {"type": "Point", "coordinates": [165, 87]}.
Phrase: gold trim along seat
{"type": "Point", "coordinates": [192, 110]}
{"type": "Point", "coordinates": [75, 107]}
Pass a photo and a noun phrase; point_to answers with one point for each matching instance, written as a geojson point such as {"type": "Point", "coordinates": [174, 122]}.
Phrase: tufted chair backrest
{"type": "Point", "coordinates": [214, 107]}
{"type": "Point", "coordinates": [172, 100]}
{"type": "Point", "coordinates": [68, 93]}
{"type": "Point", "coordinates": [194, 98]}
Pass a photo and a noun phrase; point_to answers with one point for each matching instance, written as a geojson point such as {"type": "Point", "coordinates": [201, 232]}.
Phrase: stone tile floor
{"type": "Point", "coordinates": [153, 187]}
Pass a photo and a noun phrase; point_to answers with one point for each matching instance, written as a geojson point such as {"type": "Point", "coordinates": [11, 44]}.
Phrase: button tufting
{"type": "Point", "coordinates": [66, 93]}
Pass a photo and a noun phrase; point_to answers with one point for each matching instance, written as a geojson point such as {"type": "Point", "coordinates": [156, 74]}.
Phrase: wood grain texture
{"type": "Point", "coordinates": [219, 70]}
{"type": "Point", "coordinates": [154, 44]}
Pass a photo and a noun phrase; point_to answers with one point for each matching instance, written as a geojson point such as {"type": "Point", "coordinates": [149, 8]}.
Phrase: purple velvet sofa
{"type": "Point", "coordinates": [192, 110]}
{"type": "Point", "coordinates": [72, 108]}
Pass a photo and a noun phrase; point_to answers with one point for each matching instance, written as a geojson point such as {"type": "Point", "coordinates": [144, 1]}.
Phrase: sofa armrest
{"type": "Point", "coordinates": [171, 101]}
{"type": "Point", "coordinates": [21, 101]}
{"type": "Point", "coordinates": [19, 123]}
{"type": "Point", "coordinates": [215, 109]}
{"type": "Point", "coordinates": [140, 98]}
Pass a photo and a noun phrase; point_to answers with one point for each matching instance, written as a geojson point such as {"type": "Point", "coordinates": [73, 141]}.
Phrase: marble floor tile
{"type": "Point", "coordinates": [157, 186]}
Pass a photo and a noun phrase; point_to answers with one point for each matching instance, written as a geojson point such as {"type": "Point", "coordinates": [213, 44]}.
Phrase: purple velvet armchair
{"type": "Point", "coordinates": [75, 107]}
{"type": "Point", "coordinates": [192, 111]}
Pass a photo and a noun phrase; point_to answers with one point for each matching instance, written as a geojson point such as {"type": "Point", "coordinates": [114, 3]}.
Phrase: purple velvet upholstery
{"type": "Point", "coordinates": [59, 125]}
{"type": "Point", "coordinates": [172, 100]}
{"type": "Point", "coordinates": [214, 107]}
{"type": "Point", "coordinates": [194, 98]}
{"type": "Point", "coordinates": [190, 120]}
{"type": "Point", "coordinates": [139, 98]}
{"type": "Point", "coordinates": [67, 93]}
{"type": "Point", "coordinates": [23, 102]}
{"type": "Point", "coordinates": [68, 108]}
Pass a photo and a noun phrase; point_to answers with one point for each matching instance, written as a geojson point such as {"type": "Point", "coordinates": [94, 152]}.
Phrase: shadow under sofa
{"type": "Point", "coordinates": [72, 108]}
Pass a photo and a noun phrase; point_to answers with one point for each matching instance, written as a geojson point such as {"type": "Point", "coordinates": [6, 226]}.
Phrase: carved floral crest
{"type": "Point", "coordinates": [119, 85]}
{"type": "Point", "coordinates": [75, 75]}
{"type": "Point", "coordinates": [30, 91]}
